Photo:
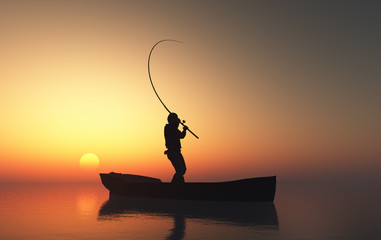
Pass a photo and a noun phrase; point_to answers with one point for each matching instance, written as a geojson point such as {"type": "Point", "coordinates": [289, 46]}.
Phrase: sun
{"type": "Point", "coordinates": [89, 161]}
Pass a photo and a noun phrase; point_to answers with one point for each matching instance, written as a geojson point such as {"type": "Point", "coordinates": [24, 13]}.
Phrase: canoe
{"type": "Point", "coordinates": [261, 189]}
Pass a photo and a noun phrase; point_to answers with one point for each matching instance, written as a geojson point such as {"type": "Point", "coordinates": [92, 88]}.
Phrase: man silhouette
{"type": "Point", "coordinates": [172, 141]}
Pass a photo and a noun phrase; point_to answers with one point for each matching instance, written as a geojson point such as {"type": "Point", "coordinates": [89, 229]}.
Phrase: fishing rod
{"type": "Point", "coordinates": [150, 78]}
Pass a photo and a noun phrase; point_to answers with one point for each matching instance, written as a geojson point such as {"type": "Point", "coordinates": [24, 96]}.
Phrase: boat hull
{"type": "Point", "coordinates": [251, 189]}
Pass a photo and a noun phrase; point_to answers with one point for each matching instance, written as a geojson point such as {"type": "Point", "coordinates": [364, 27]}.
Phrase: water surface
{"type": "Point", "coordinates": [85, 211]}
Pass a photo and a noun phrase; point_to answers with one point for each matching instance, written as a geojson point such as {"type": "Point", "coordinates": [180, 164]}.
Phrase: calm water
{"type": "Point", "coordinates": [85, 211]}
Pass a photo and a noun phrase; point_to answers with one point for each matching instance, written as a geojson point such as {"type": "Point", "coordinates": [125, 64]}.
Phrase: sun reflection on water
{"type": "Point", "coordinates": [87, 204]}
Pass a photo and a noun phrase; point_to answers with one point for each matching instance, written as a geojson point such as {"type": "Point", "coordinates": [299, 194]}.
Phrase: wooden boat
{"type": "Point", "coordinates": [251, 189]}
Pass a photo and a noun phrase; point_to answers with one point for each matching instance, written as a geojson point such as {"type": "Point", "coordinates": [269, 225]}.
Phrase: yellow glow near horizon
{"type": "Point", "coordinates": [89, 161]}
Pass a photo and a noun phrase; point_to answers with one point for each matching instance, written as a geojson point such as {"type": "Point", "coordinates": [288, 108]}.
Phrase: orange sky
{"type": "Point", "coordinates": [271, 89]}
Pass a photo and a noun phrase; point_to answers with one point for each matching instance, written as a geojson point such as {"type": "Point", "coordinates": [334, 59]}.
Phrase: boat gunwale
{"type": "Point", "coordinates": [223, 182]}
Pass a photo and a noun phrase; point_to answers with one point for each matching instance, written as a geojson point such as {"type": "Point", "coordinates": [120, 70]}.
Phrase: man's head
{"type": "Point", "coordinates": [173, 119]}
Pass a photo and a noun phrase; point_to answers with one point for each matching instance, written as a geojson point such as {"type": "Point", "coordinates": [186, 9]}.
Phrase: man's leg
{"type": "Point", "coordinates": [178, 163]}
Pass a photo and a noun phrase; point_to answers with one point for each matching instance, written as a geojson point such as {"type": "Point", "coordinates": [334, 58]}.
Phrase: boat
{"type": "Point", "coordinates": [261, 189]}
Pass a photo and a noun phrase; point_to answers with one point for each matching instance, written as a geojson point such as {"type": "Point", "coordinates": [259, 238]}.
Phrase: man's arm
{"type": "Point", "coordinates": [184, 132]}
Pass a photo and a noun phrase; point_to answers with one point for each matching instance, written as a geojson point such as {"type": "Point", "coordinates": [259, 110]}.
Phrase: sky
{"type": "Point", "coordinates": [285, 88]}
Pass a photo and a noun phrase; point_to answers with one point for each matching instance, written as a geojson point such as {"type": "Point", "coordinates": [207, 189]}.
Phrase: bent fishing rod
{"type": "Point", "coordinates": [150, 78]}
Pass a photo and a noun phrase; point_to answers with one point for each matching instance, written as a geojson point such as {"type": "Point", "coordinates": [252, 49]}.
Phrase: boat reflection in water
{"type": "Point", "coordinates": [250, 214]}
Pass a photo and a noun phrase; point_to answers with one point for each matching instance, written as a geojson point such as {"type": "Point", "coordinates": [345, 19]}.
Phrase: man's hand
{"type": "Point", "coordinates": [185, 128]}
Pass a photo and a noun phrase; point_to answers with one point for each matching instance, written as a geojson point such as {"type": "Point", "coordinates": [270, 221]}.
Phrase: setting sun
{"type": "Point", "coordinates": [89, 161]}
